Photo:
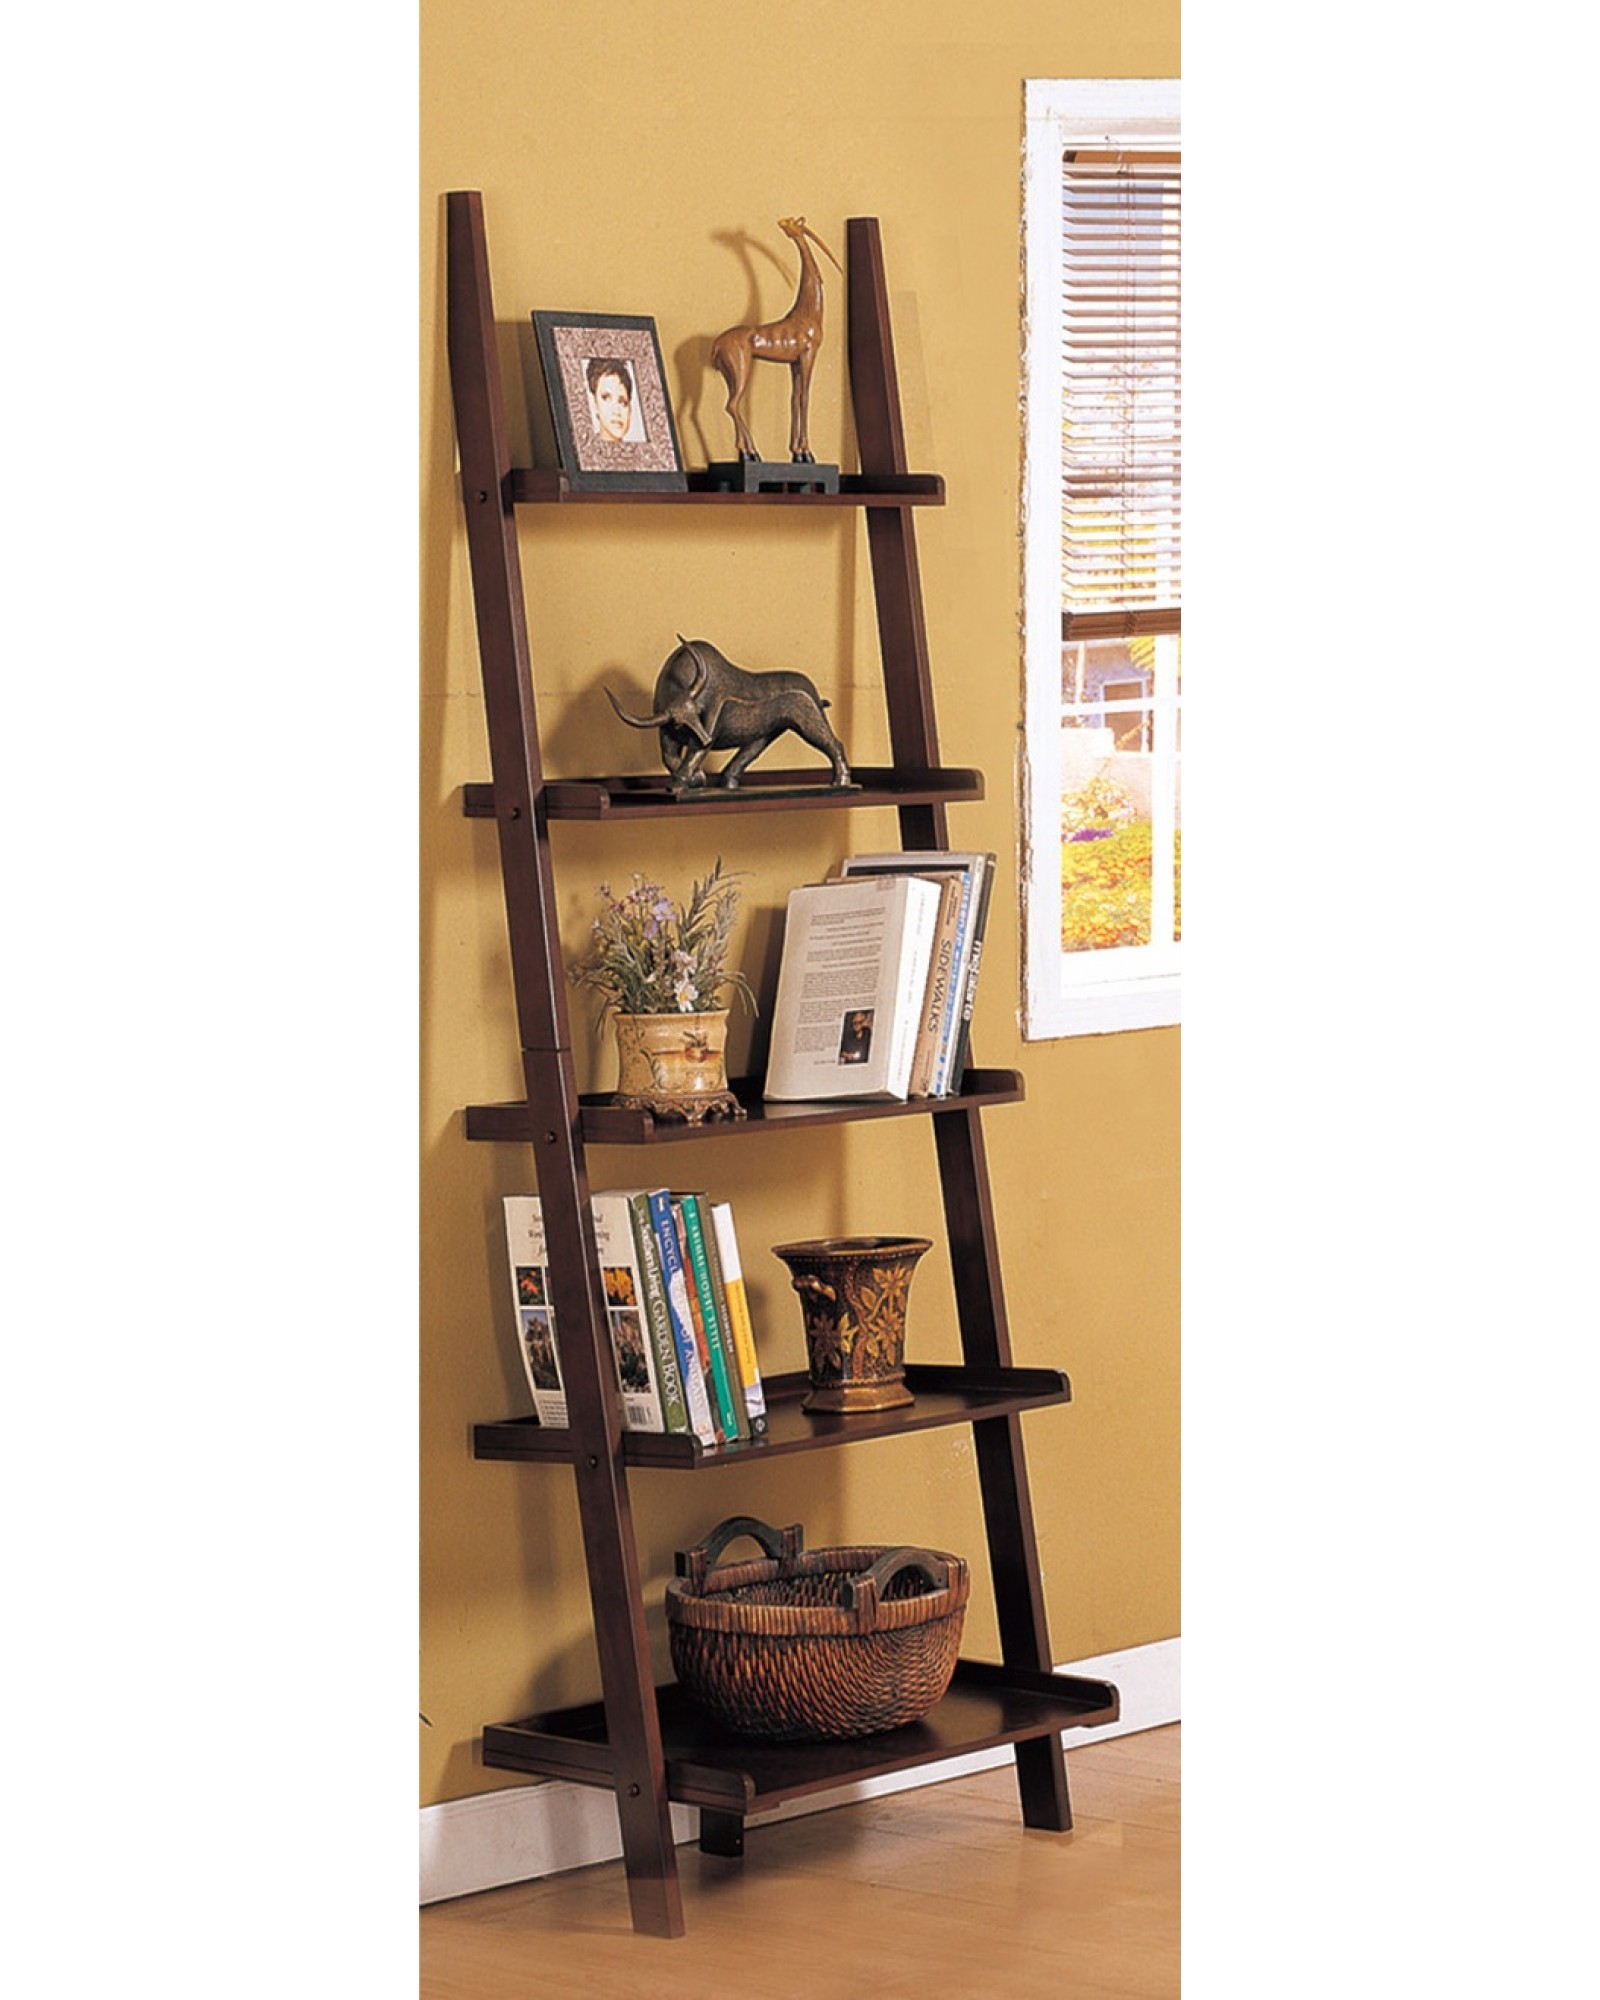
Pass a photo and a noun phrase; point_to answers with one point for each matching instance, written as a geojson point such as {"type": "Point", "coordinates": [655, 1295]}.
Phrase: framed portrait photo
{"type": "Point", "coordinates": [608, 397]}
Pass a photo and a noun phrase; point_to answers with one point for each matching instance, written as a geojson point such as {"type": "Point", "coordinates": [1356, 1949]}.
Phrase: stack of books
{"type": "Point", "coordinates": [877, 978]}
{"type": "Point", "coordinates": [681, 1336]}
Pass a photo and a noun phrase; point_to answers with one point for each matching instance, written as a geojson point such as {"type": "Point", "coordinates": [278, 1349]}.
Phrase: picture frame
{"type": "Point", "coordinates": [608, 399]}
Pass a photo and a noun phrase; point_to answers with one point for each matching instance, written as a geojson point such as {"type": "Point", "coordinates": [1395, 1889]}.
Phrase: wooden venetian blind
{"type": "Point", "coordinates": [1121, 405]}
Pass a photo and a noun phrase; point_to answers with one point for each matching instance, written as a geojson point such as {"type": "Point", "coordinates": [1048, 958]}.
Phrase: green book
{"type": "Point", "coordinates": [725, 1380]}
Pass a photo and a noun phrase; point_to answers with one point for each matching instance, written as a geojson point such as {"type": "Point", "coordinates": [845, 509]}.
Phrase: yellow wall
{"type": "Point", "coordinates": [634, 158]}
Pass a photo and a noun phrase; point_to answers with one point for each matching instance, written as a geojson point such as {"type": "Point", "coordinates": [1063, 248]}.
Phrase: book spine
{"type": "Point", "coordinates": [675, 1280]}
{"type": "Point", "coordinates": [951, 1027]}
{"type": "Point", "coordinates": [622, 1284]}
{"type": "Point", "coordinates": [969, 984]}
{"type": "Point", "coordinates": [724, 1244]}
{"type": "Point", "coordinates": [934, 1035]}
{"type": "Point", "coordinates": [669, 1378]}
{"type": "Point", "coordinates": [732, 1358]}
{"type": "Point", "coordinates": [697, 1321]}
{"type": "Point", "coordinates": [535, 1311]}
{"type": "Point", "coordinates": [730, 1407]}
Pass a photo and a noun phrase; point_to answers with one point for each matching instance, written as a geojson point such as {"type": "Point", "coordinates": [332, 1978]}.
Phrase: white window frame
{"type": "Point", "coordinates": [1086, 998]}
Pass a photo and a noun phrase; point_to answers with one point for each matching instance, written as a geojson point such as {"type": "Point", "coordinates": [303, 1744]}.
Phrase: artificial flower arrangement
{"type": "Point", "coordinates": [653, 956]}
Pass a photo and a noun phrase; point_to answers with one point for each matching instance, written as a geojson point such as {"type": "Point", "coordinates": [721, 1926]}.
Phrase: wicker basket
{"type": "Point", "coordinates": [834, 1642]}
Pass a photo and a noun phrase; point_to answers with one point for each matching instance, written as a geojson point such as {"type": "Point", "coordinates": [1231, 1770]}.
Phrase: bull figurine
{"type": "Point", "coordinates": [703, 702]}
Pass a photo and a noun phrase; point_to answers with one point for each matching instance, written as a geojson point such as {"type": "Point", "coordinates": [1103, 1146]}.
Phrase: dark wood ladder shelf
{"type": "Point", "coordinates": [647, 1745]}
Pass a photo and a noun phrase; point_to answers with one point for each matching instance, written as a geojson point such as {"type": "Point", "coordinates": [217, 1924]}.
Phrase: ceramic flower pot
{"type": "Point", "coordinates": [853, 1297]}
{"type": "Point", "coordinates": [675, 1065]}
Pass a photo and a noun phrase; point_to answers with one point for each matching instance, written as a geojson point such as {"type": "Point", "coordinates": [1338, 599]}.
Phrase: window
{"type": "Point", "coordinates": [1102, 873]}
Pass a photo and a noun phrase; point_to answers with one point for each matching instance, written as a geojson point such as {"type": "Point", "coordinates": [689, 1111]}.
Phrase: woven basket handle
{"type": "Point", "coordinates": [863, 1594]}
{"type": "Point", "coordinates": [781, 1544]}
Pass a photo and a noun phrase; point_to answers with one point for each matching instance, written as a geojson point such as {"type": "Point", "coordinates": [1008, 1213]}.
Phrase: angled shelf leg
{"type": "Point", "coordinates": [638, 1764]}
{"type": "Point", "coordinates": [974, 1254]}
{"type": "Point", "coordinates": [1002, 1465]}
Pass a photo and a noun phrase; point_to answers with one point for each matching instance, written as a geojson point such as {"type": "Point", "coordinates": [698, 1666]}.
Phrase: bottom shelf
{"type": "Point", "coordinates": [986, 1706]}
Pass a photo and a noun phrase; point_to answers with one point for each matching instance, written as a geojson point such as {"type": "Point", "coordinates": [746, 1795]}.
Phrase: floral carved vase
{"type": "Point", "coordinates": [675, 1065]}
{"type": "Point", "coordinates": [853, 1298]}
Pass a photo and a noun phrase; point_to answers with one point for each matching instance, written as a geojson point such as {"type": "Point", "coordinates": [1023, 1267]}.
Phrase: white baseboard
{"type": "Point", "coordinates": [546, 1828]}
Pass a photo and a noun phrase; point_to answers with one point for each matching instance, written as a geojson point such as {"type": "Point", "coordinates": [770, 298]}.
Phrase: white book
{"type": "Point", "coordinates": [744, 1333]}
{"type": "Point", "coordinates": [850, 987]}
{"type": "Point", "coordinates": [535, 1310]}
{"type": "Point", "coordinates": [646, 1400]}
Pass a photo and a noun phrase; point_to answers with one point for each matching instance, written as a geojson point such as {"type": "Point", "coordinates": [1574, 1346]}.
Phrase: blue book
{"type": "Point", "coordinates": [676, 1281]}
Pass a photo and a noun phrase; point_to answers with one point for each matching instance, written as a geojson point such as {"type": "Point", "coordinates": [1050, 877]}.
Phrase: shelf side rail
{"type": "Point", "coordinates": [626, 1675]}
{"type": "Point", "coordinates": [963, 1167]}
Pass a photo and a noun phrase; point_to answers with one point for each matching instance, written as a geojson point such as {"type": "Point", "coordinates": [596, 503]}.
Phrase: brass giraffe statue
{"type": "Point", "coordinates": [794, 339]}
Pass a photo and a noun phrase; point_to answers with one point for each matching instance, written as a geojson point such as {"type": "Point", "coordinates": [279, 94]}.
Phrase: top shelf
{"type": "Point", "coordinates": [544, 486]}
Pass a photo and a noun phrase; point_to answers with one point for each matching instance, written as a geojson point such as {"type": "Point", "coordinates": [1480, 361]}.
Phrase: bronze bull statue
{"type": "Point", "coordinates": [703, 702]}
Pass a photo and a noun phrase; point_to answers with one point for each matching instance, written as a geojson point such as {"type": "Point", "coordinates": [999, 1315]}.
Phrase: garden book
{"type": "Point", "coordinates": [530, 1292]}
{"type": "Point", "coordinates": [622, 1282]}
{"type": "Point", "coordinates": [974, 872]}
{"type": "Point", "coordinates": [646, 1401]}
{"type": "Point", "coordinates": [636, 1305]}
{"type": "Point", "coordinates": [933, 1034]}
{"type": "Point", "coordinates": [969, 983]}
{"type": "Point", "coordinates": [851, 983]}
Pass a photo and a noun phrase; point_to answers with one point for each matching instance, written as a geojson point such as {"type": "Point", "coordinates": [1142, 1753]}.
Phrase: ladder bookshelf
{"type": "Point", "coordinates": [648, 1745]}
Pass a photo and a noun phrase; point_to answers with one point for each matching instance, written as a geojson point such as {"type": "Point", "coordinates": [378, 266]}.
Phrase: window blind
{"type": "Point", "coordinates": [1121, 417]}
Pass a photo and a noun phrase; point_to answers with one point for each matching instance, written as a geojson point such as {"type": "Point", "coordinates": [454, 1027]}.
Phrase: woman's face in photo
{"type": "Point", "coordinates": [613, 406]}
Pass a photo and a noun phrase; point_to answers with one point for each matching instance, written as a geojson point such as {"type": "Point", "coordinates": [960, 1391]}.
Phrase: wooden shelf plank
{"type": "Point", "coordinates": [537, 486]}
{"type": "Point", "coordinates": [987, 1706]}
{"type": "Point", "coordinates": [608, 1124]}
{"type": "Point", "coordinates": [629, 797]}
{"type": "Point", "coordinates": [944, 1395]}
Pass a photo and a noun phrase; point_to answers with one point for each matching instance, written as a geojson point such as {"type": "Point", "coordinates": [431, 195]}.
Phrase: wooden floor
{"type": "Point", "coordinates": [939, 1892]}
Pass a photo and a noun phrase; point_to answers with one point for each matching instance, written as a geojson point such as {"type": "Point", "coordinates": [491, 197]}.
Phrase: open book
{"type": "Point", "coordinates": [851, 983]}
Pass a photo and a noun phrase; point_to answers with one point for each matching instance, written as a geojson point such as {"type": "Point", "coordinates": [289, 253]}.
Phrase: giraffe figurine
{"type": "Point", "coordinates": [794, 340]}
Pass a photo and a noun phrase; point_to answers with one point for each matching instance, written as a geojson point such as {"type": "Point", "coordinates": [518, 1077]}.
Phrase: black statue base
{"type": "Point", "coordinates": [751, 786]}
{"type": "Point", "coordinates": [759, 475]}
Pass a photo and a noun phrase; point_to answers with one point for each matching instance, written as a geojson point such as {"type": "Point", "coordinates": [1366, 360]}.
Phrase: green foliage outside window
{"type": "Point", "coordinates": [1105, 869]}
